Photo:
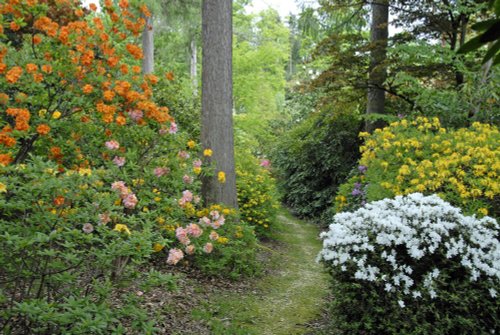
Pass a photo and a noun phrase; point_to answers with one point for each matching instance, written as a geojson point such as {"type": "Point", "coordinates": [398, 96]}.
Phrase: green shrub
{"type": "Point", "coordinates": [314, 159]}
{"type": "Point", "coordinates": [58, 257]}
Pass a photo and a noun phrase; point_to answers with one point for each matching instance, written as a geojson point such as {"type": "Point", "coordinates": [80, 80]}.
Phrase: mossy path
{"type": "Point", "coordinates": [284, 300]}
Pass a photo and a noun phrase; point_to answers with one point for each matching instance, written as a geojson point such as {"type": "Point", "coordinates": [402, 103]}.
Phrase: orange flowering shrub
{"type": "Point", "coordinates": [93, 173]}
{"type": "Point", "coordinates": [94, 176]}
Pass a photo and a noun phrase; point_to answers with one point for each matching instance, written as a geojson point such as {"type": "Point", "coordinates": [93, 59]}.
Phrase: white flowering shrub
{"type": "Point", "coordinates": [412, 251]}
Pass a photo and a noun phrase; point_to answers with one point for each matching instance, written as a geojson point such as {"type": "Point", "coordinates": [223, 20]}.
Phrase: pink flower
{"type": "Point", "coordinates": [136, 114]}
{"type": "Point", "coordinates": [197, 163]}
{"type": "Point", "coordinates": [104, 218]}
{"type": "Point", "coordinates": [187, 196]}
{"type": "Point", "coordinates": [213, 236]}
{"type": "Point", "coordinates": [217, 223]}
{"type": "Point", "coordinates": [190, 249]}
{"type": "Point", "coordinates": [112, 145]}
{"type": "Point", "coordinates": [187, 179]}
{"type": "Point", "coordinates": [214, 214]}
{"type": "Point", "coordinates": [182, 235]}
{"type": "Point", "coordinates": [174, 256]}
{"type": "Point", "coordinates": [88, 228]}
{"type": "Point", "coordinates": [173, 128]}
{"type": "Point", "coordinates": [160, 171]}
{"type": "Point", "coordinates": [208, 248]}
{"type": "Point", "coordinates": [162, 131]}
{"type": "Point", "coordinates": [183, 154]}
{"type": "Point", "coordinates": [205, 221]}
{"type": "Point", "coordinates": [196, 199]}
{"type": "Point", "coordinates": [118, 186]}
{"type": "Point", "coordinates": [130, 200]}
{"type": "Point", "coordinates": [119, 161]}
{"type": "Point", "coordinates": [265, 163]}
{"type": "Point", "coordinates": [194, 230]}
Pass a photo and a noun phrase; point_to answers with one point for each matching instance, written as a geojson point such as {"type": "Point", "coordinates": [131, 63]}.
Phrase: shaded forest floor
{"type": "Point", "coordinates": [289, 298]}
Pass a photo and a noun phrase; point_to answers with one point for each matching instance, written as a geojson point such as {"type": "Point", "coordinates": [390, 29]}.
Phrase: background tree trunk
{"type": "Point", "coordinates": [217, 91]}
{"type": "Point", "coordinates": [148, 48]}
{"type": "Point", "coordinates": [194, 65]}
{"type": "Point", "coordinates": [379, 33]}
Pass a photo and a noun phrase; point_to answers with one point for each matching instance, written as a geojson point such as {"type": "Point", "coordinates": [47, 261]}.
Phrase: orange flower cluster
{"type": "Point", "coordinates": [22, 118]}
{"type": "Point", "coordinates": [107, 111]}
{"type": "Point", "coordinates": [43, 129]}
{"type": "Point", "coordinates": [14, 74]}
{"type": "Point", "coordinates": [5, 159]}
{"type": "Point", "coordinates": [46, 25]}
{"type": "Point", "coordinates": [135, 51]}
{"type": "Point", "coordinates": [82, 49]}
{"type": "Point", "coordinates": [87, 89]}
{"type": "Point", "coordinates": [5, 139]}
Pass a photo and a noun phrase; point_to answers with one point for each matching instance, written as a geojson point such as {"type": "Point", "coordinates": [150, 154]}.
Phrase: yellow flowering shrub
{"type": "Point", "coordinates": [256, 197]}
{"type": "Point", "coordinates": [461, 166]}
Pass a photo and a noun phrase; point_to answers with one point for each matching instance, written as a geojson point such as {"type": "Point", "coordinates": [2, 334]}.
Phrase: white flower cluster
{"type": "Point", "coordinates": [387, 240]}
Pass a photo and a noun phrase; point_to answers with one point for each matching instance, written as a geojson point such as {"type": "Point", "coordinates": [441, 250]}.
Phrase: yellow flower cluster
{"type": "Point", "coordinates": [462, 166]}
{"type": "Point", "coordinates": [255, 197]}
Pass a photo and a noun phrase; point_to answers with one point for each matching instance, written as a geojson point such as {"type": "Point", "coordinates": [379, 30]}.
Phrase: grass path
{"type": "Point", "coordinates": [284, 300]}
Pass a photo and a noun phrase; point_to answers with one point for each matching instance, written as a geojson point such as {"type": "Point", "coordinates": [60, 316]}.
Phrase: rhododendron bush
{"type": "Point", "coordinates": [414, 265]}
{"type": "Point", "coordinates": [462, 166]}
{"type": "Point", "coordinates": [95, 177]}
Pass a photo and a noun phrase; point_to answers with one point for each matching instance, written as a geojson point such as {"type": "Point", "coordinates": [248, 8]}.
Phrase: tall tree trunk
{"type": "Point", "coordinates": [148, 47]}
{"type": "Point", "coordinates": [379, 32]}
{"type": "Point", "coordinates": [194, 65]}
{"type": "Point", "coordinates": [217, 96]}
{"type": "Point", "coordinates": [459, 76]}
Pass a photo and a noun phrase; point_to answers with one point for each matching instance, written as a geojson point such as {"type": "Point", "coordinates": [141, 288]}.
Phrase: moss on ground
{"type": "Point", "coordinates": [283, 301]}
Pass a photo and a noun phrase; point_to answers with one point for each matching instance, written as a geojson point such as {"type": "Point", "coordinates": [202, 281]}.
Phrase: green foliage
{"type": "Point", "coordinates": [185, 107]}
{"type": "Point", "coordinates": [461, 308]}
{"type": "Point", "coordinates": [488, 34]}
{"type": "Point", "coordinates": [314, 158]}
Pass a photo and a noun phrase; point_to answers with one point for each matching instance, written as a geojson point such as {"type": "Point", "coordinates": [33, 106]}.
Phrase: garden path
{"type": "Point", "coordinates": [287, 298]}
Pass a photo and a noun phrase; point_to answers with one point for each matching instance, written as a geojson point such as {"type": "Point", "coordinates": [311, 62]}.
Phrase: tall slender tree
{"type": "Point", "coordinates": [217, 101]}
{"type": "Point", "coordinates": [379, 33]}
{"type": "Point", "coordinates": [148, 62]}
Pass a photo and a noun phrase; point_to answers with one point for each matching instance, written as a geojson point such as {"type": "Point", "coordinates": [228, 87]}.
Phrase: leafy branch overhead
{"type": "Point", "coordinates": [489, 34]}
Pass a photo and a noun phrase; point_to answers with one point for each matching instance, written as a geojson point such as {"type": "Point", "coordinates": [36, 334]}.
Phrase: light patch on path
{"type": "Point", "coordinates": [286, 299]}
{"type": "Point", "coordinates": [295, 296]}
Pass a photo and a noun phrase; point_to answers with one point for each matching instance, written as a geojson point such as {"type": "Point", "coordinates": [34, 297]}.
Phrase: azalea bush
{"type": "Point", "coordinates": [95, 177]}
{"type": "Point", "coordinates": [211, 239]}
{"type": "Point", "coordinates": [413, 265]}
{"type": "Point", "coordinates": [461, 166]}
{"type": "Point", "coordinates": [64, 241]}
{"type": "Point", "coordinates": [257, 195]}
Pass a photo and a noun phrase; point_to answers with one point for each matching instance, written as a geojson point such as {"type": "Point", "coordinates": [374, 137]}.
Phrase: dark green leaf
{"type": "Point", "coordinates": [471, 45]}
{"type": "Point", "coordinates": [492, 51]}
{"type": "Point", "coordinates": [483, 25]}
{"type": "Point", "coordinates": [492, 34]}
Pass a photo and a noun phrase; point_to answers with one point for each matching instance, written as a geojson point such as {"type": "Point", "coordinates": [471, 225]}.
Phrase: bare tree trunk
{"type": "Point", "coordinates": [486, 71]}
{"type": "Point", "coordinates": [194, 65]}
{"type": "Point", "coordinates": [379, 32]}
{"type": "Point", "coordinates": [148, 47]}
{"type": "Point", "coordinates": [217, 96]}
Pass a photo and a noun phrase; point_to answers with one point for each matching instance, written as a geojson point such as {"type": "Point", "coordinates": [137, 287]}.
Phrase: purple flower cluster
{"type": "Point", "coordinates": [358, 191]}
